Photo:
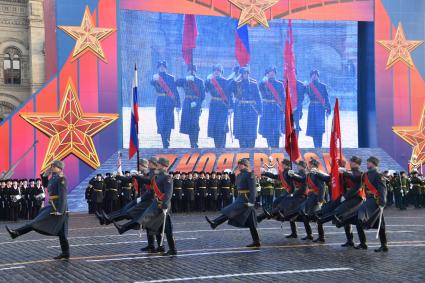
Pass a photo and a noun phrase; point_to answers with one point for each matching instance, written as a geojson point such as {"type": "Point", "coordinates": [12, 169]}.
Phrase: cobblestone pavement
{"type": "Point", "coordinates": [99, 254]}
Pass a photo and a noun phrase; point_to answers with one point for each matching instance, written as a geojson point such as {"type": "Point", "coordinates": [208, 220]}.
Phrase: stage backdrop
{"type": "Point", "coordinates": [98, 80]}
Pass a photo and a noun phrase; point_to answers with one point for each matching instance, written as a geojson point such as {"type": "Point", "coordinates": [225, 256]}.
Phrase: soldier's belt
{"type": "Point", "coordinates": [161, 94]}
{"type": "Point", "coordinates": [127, 188]}
{"type": "Point", "coordinates": [189, 188]}
{"type": "Point", "coordinates": [269, 101]}
{"type": "Point", "coordinates": [225, 187]}
{"type": "Point", "coordinates": [51, 198]}
{"type": "Point", "coordinates": [202, 187]}
{"type": "Point", "coordinates": [177, 188]}
{"type": "Point", "coordinates": [191, 97]}
{"type": "Point", "coordinates": [247, 102]}
{"type": "Point", "coordinates": [215, 98]}
{"type": "Point", "coordinates": [270, 187]}
{"type": "Point", "coordinates": [98, 190]}
{"type": "Point", "coordinates": [312, 191]}
{"type": "Point", "coordinates": [213, 188]}
{"type": "Point", "coordinates": [243, 191]}
{"type": "Point", "coordinates": [112, 190]}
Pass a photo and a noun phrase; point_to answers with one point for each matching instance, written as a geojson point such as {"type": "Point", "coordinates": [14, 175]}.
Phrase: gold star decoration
{"type": "Point", "coordinates": [70, 130]}
{"type": "Point", "coordinates": [415, 136]}
{"type": "Point", "coordinates": [253, 10]}
{"type": "Point", "coordinates": [399, 48]}
{"type": "Point", "coordinates": [88, 36]}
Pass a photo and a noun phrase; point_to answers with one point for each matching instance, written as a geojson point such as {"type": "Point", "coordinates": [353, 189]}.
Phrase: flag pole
{"type": "Point", "coordinates": [137, 130]}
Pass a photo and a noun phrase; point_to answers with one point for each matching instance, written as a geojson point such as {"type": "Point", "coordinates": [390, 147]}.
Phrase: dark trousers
{"type": "Point", "coordinates": [193, 137]}
{"type": "Point", "coordinates": [166, 139]}
{"type": "Point", "coordinates": [293, 228]}
{"type": "Point", "coordinates": [250, 223]}
{"type": "Point", "coordinates": [317, 140]}
{"type": "Point", "coordinates": [348, 232]}
{"type": "Point", "coordinates": [382, 233]}
{"type": "Point", "coordinates": [399, 200]}
{"type": "Point", "coordinates": [62, 236]}
{"type": "Point", "coordinates": [220, 140]}
{"type": "Point", "coordinates": [98, 206]}
{"type": "Point", "coordinates": [308, 230]}
{"type": "Point", "coordinates": [273, 141]}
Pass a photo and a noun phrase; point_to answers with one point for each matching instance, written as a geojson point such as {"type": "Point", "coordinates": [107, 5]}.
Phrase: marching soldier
{"type": "Point", "coordinates": [98, 193]}
{"type": "Point", "coordinates": [201, 191]}
{"type": "Point", "coordinates": [189, 192]}
{"type": "Point", "coordinates": [53, 219]}
{"type": "Point", "coordinates": [194, 91]}
{"type": "Point", "coordinates": [221, 105]}
{"type": "Point", "coordinates": [111, 193]}
{"type": "Point", "coordinates": [248, 107]}
{"type": "Point", "coordinates": [212, 198]}
{"type": "Point", "coordinates": [271, 122]}
{"type": "Point", "coordinates": [167, 99]}
{"type": "Point", "coordinates": [155, 216]}
{"type": "Point", "coordinates": [176, 204]}
{"type": "Point", "coordinates": [318, 109]}
{"type": "Point", "coordinates": [241, 213]}
{"type": "Point", "coordinates": [370, 214]}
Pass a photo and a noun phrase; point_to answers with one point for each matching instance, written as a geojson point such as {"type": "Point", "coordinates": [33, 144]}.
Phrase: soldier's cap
{"type": "Point", "coordinates": [153, 160]}
{"type": "Point", "coordinates": [177, 173]}
{"type": "Point", "coordinates": [127, 172]}
{"type": "Point", "coordinates": [31, 180]}
{"type": "Point", "coordinates": [244, 161]}
{"type": "Point", "coordinates": [218, 173]}
{"type": "Point", "coordinates": [302, 163]}
{"type": "Point", "coordinates": [402, 172]}
{"type": "Point", "coordinates": [133, 172]}
{"type": "Point", "coordinates": [108, 174]}
{"type": "Point", "coordinates": [15, 180]}
{"type": "Point", "coordinates": [202, 172]}
{"type": "Point", "coordinates": [314, 72]}
{"type": "Point", "coordinates": [183, 173]}
{"type": "Point", "coordinates": [38, 179]}
{"type": "Point", "coordinates": [270, 69]}
{"type": "Point", "coordinates": [225, 173]}
{"type": "Point", "coordinates": [162, 63]}
{"type": "Point", "coordinates": [244, 70]}
{"type": "Point", "coordinates": [143, 162]}
{"type": "Point", "coordinates": [59, 164]}
{"type": "Point", "coordinates": [373, 160]}
{"type": "Point", "coordinates": [414, 172]}
{"type": "Point", "coordinates": [342, 162]}
{"type": "Point", "coordinates": [395, 174]}
{"type": "Point", "coordinates": [163, 162]}
{"type": "Point", "coordinates": [217, 67]}
{"type": "Point", "coordinates": [192, 68]}
{"type": "Point", "coordinates": [286, 162]}
{"type": "Point", "coordinates": [314, 162]}
{"type": "Point", "coordinates": [356, 159]}
{"type": "Point", "coordinates": [98, 175]}
{"type": "Point", "coordinates": [213, 172]}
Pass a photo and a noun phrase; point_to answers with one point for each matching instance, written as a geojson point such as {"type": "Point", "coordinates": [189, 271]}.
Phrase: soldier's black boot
{"type": "Point", "coordinates": [106, 219]}
{"type": "Point", "coordinates": [382, 249]}
{"type": "Point", "coordinates": [361, 246]}
{"type": "Point", "coordinates": [64, 246]}
{"type": "Point", "coordinates": [255, 238]}
{"type": "Point", "coordinates": [349, 236]}
{"type": "Point", "coordinates": [307, 230]}
{"type": "Point", "coordinates": [99, 216]}
{"type": "Point", "coordinates": [127, 226]}
{"type": "Point", "coordinates": [150, 248]}
{"type": "Point", "coordinates": [293, 234]}
{"type": "Point", "coordinates": [62, 256]}
{"type": "Point", "coordinates": [382, 239]}
{"type": "Point", "coordinates": [171, 245]}
{"type": "Point", "coordinates": [219, 220]}
{"type": "Point", "coordinates": [362, 238]}
{"type": "Point", "coordinates": [13, 234]}
{"type": "Point", "coordinates": [160, 248]}
{"type": "Point", "coordinates": [321, 231]}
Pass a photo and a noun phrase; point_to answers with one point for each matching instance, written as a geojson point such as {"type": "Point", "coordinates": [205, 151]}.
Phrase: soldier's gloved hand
{"type": "Point", "coordinates": [210, 76]}
{"type": "Point", "coordinates": [249, 204]}
{"type": "Point", "coordinates": [56, 213]}
{"type": "Point", "coordinates": [291, 173]}
{"type": "Point", "coordinates": [314, 170]}
{"type": "Point", "coordinates": [342, 170]}
{"type": "Point", "coordinates": [342, 198]}
{"type": "Point", "coordinates": [381, 207]}
{"type": "Point", "coordinates": [155, 77]}
{"type": "Point", "coordinates": [190, 78]}
{"type": "Point", "coordinates": [139, 199]}
{"type": "Point", "coordinates": [265, 79]}
{"type": "Point", "coordinates": [193, 104]}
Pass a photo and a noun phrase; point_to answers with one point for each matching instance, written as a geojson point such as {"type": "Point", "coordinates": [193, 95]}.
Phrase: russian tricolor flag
{"type": "Point", "coordinates": [242, 51]}
{"type": "Point", "coordinates": [134, 125]}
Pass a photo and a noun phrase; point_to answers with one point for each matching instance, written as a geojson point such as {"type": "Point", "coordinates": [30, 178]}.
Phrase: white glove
{"type": "Point", "coordinates": [381, 207]}
{"type": "Point", "coordinates": [291, 173]}
{"type": "Point", "coordinates": [210, 76]}
{"type": "Point", "coordinates": [342, 170]}
{"type": "Point", "coordinates": [190, 78]}
{"type": "Point", "coordinates": [193, 104]}
{"type": "Point", "coordinates": [249, 204]}
{"type": "Point", "coordinates": [155, 77]}
{"type": "Point", "coordinates": [265, 79]}
{"type": "Point", "coordinates": [139, 199]}
{"type": "Point", "coordinates": [320, 205]}
{"type": "Point", "coordinates": [342, 198]}
{"type": "Point", "coordinates": [314, 170]}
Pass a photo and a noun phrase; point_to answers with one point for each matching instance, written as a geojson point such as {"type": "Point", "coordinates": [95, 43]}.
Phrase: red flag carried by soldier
{"type": "Point", "coordinates": [190, 33]}
{"type": "Point", "coordinates": [289, 59]}
{"type": "Point", "coordinates": [336, 153]}
{"type": "Point", "coordinates": [291, 139]}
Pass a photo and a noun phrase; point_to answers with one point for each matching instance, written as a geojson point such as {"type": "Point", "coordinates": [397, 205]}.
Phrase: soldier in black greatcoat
{"type": "Point", "coordinates": [38, 197]}
{"type": "Point", "coordinates": [194, 91]}
{"type": "Point", "coordinates": [167, 99]}
{"type": "Point", "coordinates": [52, 219]}
{"type": "Point", "coordinates": [201, 191]}
{"type": "Point", "coordinates": [127, 189]}
{"type": "Point", "coordinates": [111, 193]}
{"type": "Point", "coordinates": [177, 199]}
{"type": "Point", "coordinates": [98, 193]}
{"type": "Point", "coordinates": [14, 201]}
{"type": "Point", "coordinates": [226, 190]}
{"type": "Point", "coordinates": [241, 213]}
{"type": "Point", "coordinates": [3, 200]}
{"type": "Point", "coordinates": [318, 109]}
{"type": "Point", "coordinates": [370, 213]}
{"type": "Point", "coordinates": [189, 192]}
{"type": "Point", "coordinates": [212, 192]}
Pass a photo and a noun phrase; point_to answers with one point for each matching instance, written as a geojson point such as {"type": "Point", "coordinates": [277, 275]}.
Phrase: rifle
{"type": "Point", "coordinates": [9, 173]}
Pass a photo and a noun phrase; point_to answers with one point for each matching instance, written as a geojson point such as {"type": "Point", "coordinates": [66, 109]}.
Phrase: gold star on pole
{"type": "Point", "coordinates": [88, 36]}
{"type": "Point", "coordinates": [415, 136]}
{"type": "Point", "coordinates": [70, 130]}
{"type": "Point", "coordinates": [400, 48]}
{"type": "Point", "coordinates": [253, 10]}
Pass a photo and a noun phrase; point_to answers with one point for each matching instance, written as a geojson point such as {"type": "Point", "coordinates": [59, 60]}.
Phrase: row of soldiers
{"type": "Point", "coordinates": [20, 199]}
{"type": "Point", "coordinates": [405, 190]}
{"type": "Point", "coordinates": [257, 107]}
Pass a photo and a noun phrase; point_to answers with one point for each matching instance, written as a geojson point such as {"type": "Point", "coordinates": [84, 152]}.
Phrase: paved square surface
{"type": "Point", "coordinates": [99, 254]}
